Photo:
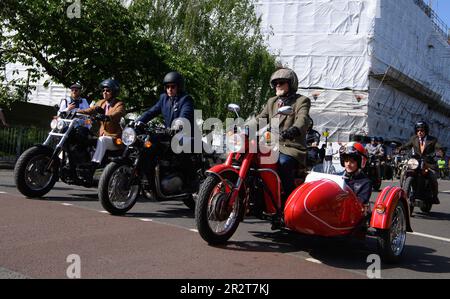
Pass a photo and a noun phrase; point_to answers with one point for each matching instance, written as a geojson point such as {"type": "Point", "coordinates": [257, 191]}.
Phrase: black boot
{"type": "Point", "coordinates": [435, 200]}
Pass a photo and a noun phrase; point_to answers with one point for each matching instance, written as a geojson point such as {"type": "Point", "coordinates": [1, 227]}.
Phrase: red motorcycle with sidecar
{"type": "Point", "coordinates": [321, 204]}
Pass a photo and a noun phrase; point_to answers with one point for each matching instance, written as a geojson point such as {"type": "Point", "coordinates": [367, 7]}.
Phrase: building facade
{"type": "Point", "coordinates": [371, 67]}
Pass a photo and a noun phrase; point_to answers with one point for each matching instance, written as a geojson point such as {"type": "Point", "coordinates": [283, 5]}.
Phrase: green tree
{"type": "Point", "coordinates": [215, 44]}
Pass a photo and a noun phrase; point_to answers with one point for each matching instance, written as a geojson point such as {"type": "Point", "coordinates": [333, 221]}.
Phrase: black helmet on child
{"type": "Point", "coordinates": [354, 150]}
{"type": "Point", "coordinates": [421, 125]}
{"type": "Point", "coordinates": [174, 78]}
{"type": "Point", "coordinates": [111, 84]}
{"type": "Point", "coordinates": [285, 74]}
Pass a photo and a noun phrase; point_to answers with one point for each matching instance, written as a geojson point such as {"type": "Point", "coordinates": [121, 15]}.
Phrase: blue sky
{"type": "Point", "coordinates": [442, 8]}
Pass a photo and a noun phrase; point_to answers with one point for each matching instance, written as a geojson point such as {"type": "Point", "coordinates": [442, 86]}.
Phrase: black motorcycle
{"type": "Point", "coordinates": [400, 161]}
{"type": "Point", "coordinates": [150, 167]}
{"type": "Point", "coordinates": [372, 172]}
{"type": "Point", "coordinates": [416, 184]}
{"type": "Point", "coordinates": [64, 155]}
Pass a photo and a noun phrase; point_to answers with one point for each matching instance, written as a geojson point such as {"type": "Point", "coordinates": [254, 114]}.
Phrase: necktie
{"type": "Point", "coordinates": [107, 108]}
{"type": "Point", "coordinates": [422, 145]}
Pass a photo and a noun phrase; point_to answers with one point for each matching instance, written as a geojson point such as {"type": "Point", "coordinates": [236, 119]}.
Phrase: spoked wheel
{"type": "Point", "coordinates": [118, 189]}
{"type": "Point", "coordinates": [216, 217]}
{"type": "Point", "coordinates": [31, 175]}
{"type": "Point", "coordinates": [391, 242]}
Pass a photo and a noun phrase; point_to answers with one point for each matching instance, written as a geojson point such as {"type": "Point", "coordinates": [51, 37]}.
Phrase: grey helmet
{"type": "Point", "coordinates": [285, 74]}
{"type": "Point", "coordinates": [76, 85]}
{"type": "Point", "coordinates": [111, 84]}
{"type": "Point", "coordinates": [175, 78]}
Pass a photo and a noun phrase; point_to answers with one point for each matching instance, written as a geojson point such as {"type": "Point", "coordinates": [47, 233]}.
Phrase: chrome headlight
{"type": "Point", "coordinates": [128, 136]}
{"type": "Point", "coordinates": [61, 124]}
{"type": "Point", "coordinates": [53, 123]}
{"type": "Point", "coordinates": [413, 164]}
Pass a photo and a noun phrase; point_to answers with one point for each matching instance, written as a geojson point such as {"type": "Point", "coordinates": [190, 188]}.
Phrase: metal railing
{"type": "Point", "coordinates": [15, 140]}
{"type": "Point", "coordinates": [438, 23]}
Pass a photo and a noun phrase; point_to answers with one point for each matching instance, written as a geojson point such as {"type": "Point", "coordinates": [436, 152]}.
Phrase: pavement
{"type": "Point", "coordinates": [68, 234]}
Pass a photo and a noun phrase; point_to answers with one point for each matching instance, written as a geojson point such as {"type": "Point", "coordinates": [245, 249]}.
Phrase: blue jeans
{"type": "Point", "coordinates": [287, 166]}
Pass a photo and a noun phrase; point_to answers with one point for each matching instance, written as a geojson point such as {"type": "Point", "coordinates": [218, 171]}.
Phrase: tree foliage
{"type": "Point", "coordinates": [215, 44]}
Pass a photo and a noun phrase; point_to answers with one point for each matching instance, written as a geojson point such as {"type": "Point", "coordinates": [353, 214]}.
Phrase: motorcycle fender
{"type": "Point", "coordinates": [124, 160]}
{"type": "Point", "coordinates": [217, 170]}
{"type": "Point", "coordinates": [385, 205]}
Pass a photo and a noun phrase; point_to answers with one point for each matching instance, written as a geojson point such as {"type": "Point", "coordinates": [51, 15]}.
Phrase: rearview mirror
{"type": "Point", "coordinates": [234, 108]}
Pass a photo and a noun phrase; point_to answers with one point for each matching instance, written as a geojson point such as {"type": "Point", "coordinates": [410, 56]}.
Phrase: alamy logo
{"type": "Point", "coordinates": [374, 269]}
{"type": "Point", "coordinates": [74, 269]}
{"type": "Point", "coordinates": [74, 9]}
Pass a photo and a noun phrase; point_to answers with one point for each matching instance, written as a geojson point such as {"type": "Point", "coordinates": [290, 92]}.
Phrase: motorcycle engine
{"type": "Point", "coordinates": [171, 184]}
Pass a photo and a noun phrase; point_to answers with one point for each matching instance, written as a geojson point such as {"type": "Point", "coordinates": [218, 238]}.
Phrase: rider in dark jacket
{"type": "Point", "coordinates": [173, 103]}
{"type": "Point", "coordinates": [353, 158]}
{"type": "Point", "coordinates": [425, 146]}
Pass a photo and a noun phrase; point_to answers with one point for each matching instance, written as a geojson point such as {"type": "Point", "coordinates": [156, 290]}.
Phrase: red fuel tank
{"type": "Point", "coordinates": [324, 207]}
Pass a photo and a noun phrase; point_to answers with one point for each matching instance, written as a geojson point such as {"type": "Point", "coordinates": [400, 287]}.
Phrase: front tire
{"type": "Point", "coordinates": [216, 220]}
{"type": "Point", "coordinates": [30, 176]}
{"type": "Point", "coordinates": [118, 190]}
{"type": "Point", "coordinates": [426, 207]}
{"type": "Point", "coordinates": [409, 189]}
{"type": "Point", "coordinates": [391, 242]}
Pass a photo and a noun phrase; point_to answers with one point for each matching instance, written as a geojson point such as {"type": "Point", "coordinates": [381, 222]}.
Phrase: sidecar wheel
{"type": "Point", "coordinates": [29, 173]}
{"type": "Point", "coordinates": [216, 220]}
{"type": "Point", "coordinates": [117, 191]}
{"type": "Point", "coordinates": [391, 242]}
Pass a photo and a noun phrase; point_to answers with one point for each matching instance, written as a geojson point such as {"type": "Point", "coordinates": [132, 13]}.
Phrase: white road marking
{"type": "Point", "coordinates": [67, 204]}
{"type": "Point", "coordinates": [313, 261]}
{"type": "Point", "coordinates": [146, 219]}
{"type": "Point", "coordinates": [1, 192]}
{"type": "Point", "coordinates": [194, 230]}
{"type": "Point", "coordinates": [430, 237]}
{"type": "Point", "coordinates": [448, 191]}
{"type": "Point", "coordinates": [104, 212]}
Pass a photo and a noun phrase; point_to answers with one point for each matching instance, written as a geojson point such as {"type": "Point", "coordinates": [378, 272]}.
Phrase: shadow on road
{"type": "Point", "coordinates": [344, 253]}
{"type": "Point", "coordinates": [431, 216]}
{"type": "Point", "coordinates": [172, 212]}
{"type": "Point", "coordinates": [71, 197]}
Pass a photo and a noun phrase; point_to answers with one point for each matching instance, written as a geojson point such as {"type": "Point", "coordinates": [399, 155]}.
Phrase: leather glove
{"type": "Point", "coordinates": [99, 110]}
{"type": "Point", "coordinates": [102, 117]}
{"type": "Point", "coordinates": [290, 133]}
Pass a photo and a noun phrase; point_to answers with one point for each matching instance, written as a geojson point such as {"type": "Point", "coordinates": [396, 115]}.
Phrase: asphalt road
{"type": "Point", "coordinates": [43, 238]}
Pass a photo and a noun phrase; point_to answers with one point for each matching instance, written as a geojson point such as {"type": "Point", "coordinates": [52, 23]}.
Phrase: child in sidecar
{"type": "Point", "coordinates": [353, 158]}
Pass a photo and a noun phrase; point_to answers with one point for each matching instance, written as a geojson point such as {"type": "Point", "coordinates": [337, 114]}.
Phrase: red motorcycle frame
{"type": "Point", "coordinates": [323, 205]}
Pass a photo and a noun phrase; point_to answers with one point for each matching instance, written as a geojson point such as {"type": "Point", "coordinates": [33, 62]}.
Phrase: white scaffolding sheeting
{"type": "Point", "coordinates": [406, 39]}
{"type": "Point", "coordinates": [343, 49]}
{"type": "Point", "coordinates": [40, 94]}
{"type": "Point", "coordinates": [325, 42]}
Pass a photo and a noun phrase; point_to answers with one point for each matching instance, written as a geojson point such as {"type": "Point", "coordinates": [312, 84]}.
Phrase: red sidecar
{"type": "Point", "coordinates": [325, 206]}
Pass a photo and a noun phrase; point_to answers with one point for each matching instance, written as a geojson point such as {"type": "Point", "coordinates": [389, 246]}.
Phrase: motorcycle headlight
{"type": "Point", "coordinates": [128, 136]}
{"type": "Point", "coordinates": [413, 164]}
{"type": "Point", "coordinates": [53, 123]}
{"type": "Point", "coordinates": [60, 124]}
